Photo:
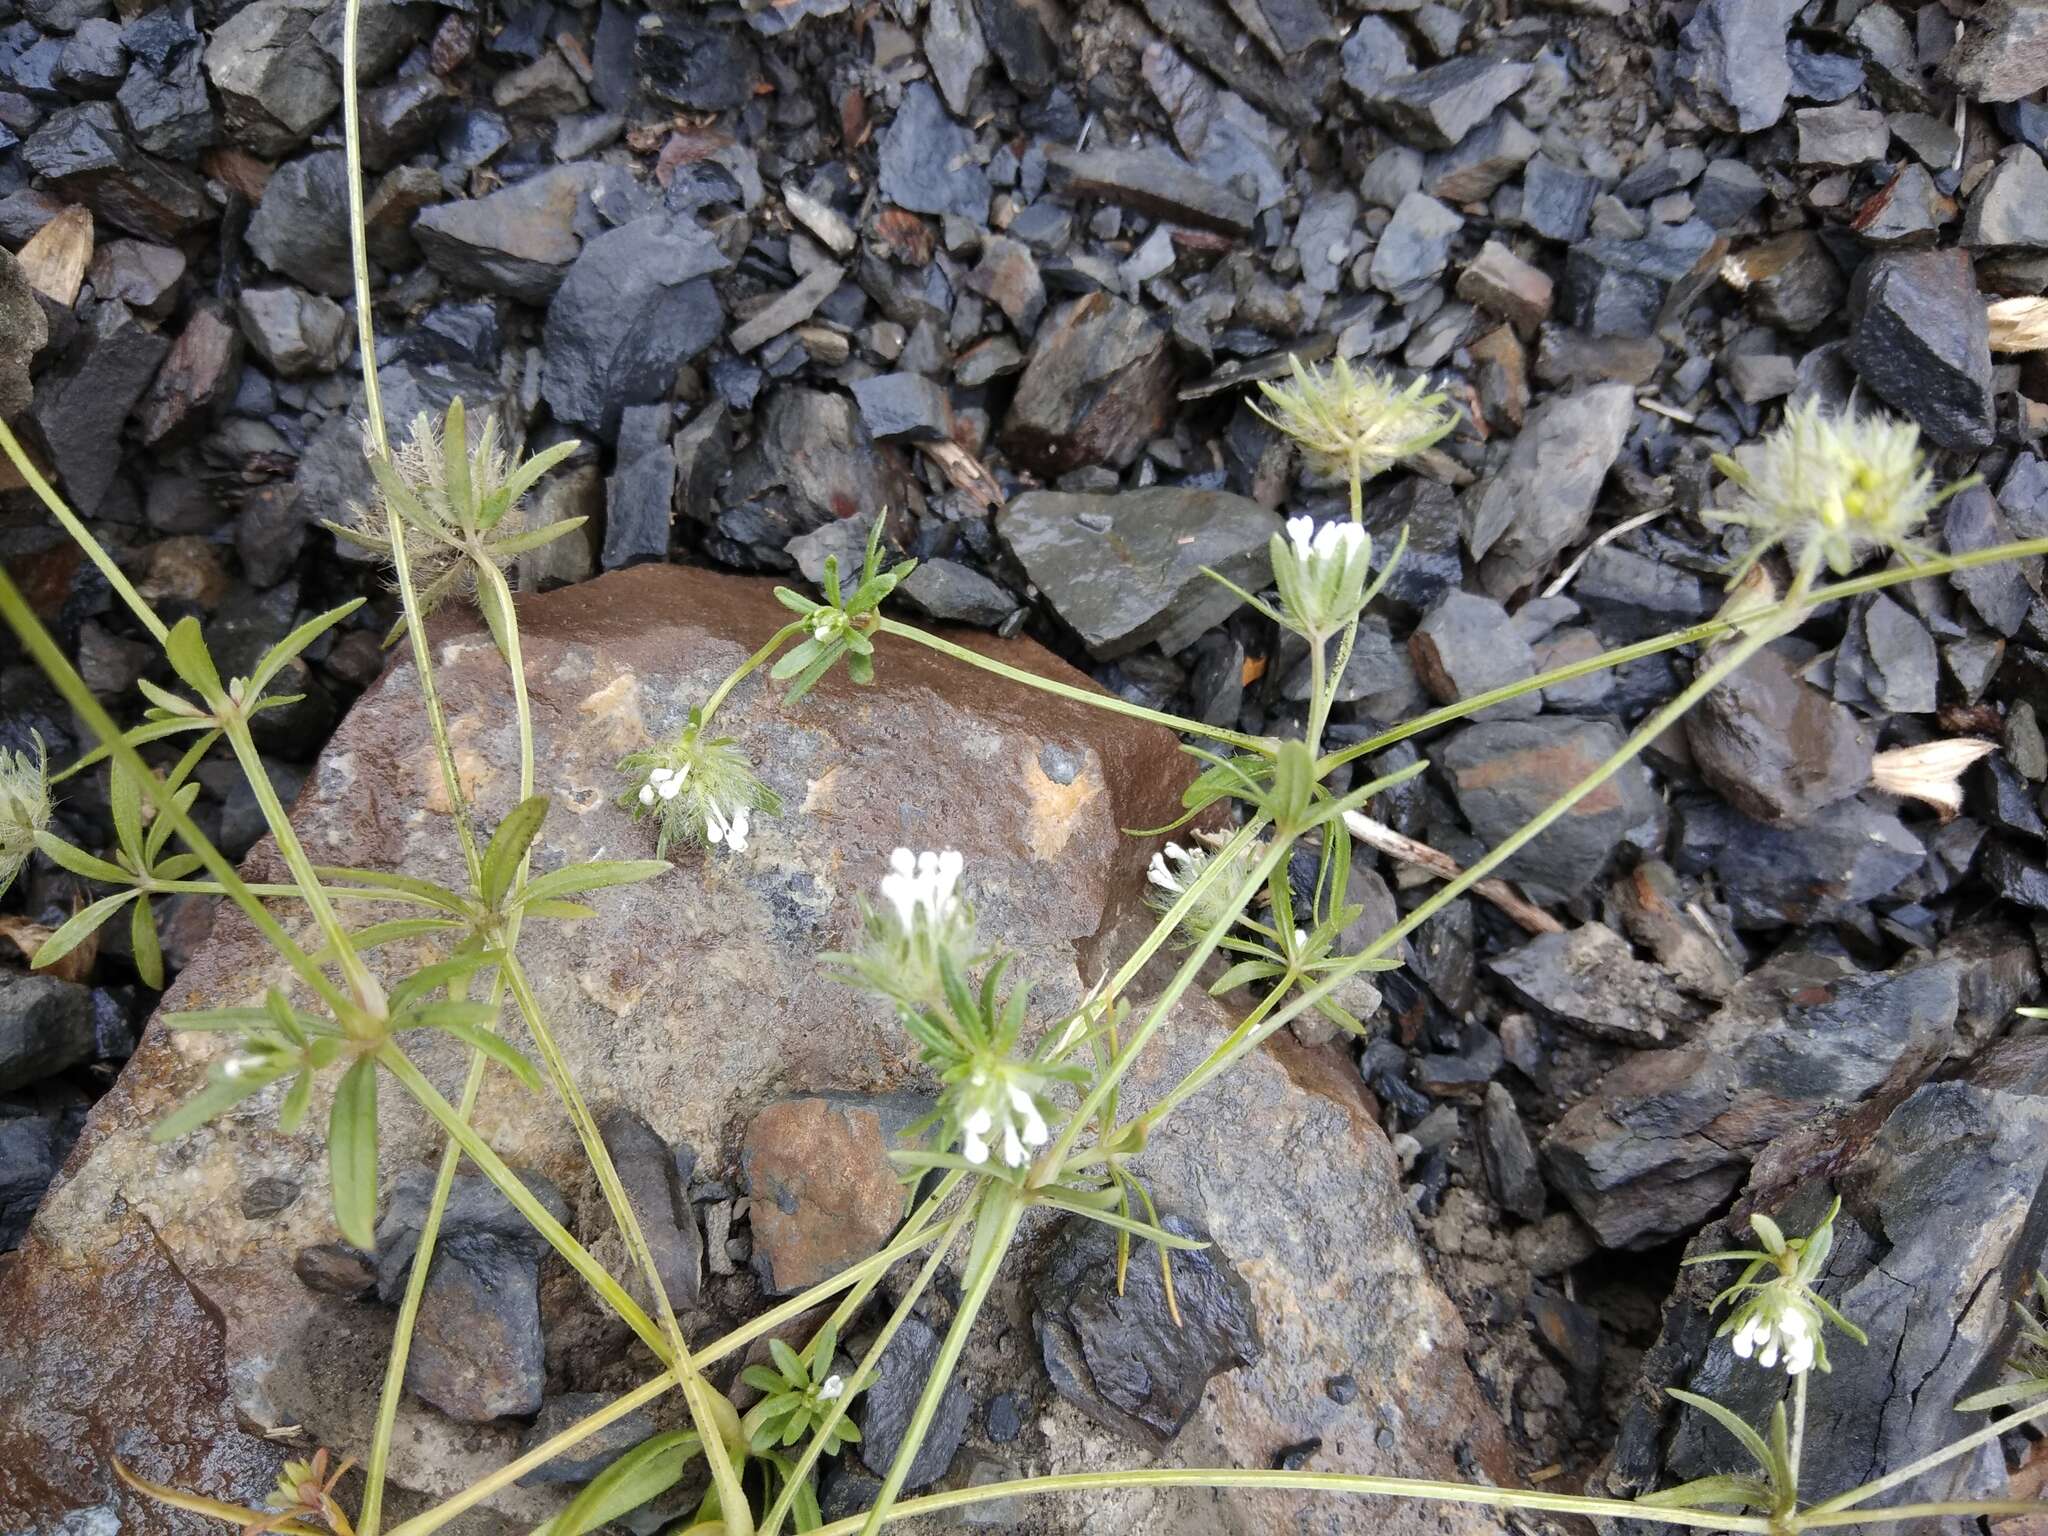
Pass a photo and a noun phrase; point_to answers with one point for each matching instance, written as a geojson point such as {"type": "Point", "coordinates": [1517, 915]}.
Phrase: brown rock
{"type": "Point", "coordinates": [698, 1002]}
{"type": "Point", "coordinates": [1500, 282]}
{"type": "Point", "coordinates": [198, 373]}
{"type": "Point", "coordinates": [1095, 391]}
{"type": "Point", "coordinates": [825, 1193]}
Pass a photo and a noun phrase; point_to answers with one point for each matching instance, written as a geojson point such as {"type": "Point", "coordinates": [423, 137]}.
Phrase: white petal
{"type": "Point", "coordinates": [830, 1389]}
{"type": "Point", "coordinates": [980, 1123]}
{"type": "Point", "coordinates": [647, 794]}
{"type": "Point", "coordinates": [903, 861]}
{"type": "Point", "coordinates": [1013, 1149]}
{"type": "Point", "coordinates": [1799, 1356]}
{"type": "Point", "coordinates": [974, 1149]}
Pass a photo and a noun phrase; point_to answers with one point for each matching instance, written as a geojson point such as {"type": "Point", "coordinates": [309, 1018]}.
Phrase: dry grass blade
{"type": "Point", "coordinates": [2019, 325]}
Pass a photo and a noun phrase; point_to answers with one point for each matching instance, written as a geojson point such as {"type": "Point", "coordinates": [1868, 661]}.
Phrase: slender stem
{"type": "Point", "coordinates": [1001, 1209]}
{"type": "Point", "coordinates": [1092, 697]}
{"type": "Point", "coordinates": [362, 985]}
{"type": "Point", "coordinates": [1898, 1514]}
{"type": "Point", "coordinates": [515, 663]}
{"type": "Point", "coordinates": [1906, 1474]}
{"type": "Point", "coordinates": [739, 673]}
{"type": "Point", "coordinates": [28, 629]}
{"type": "Point", "coordinates": [546, 1451]}
{"type": "Point", "coordinates": [1319, 690]}
{"type": "Point", "coordinates": [771, 1523]}
{"type": "Point", "coordinates": [290, 892]}
{"type": "Point", "coordinates": [359, 254]}
{"type": "Point", "coordinates": [430, 693]}
{"type": "Point", "coordinates": [370, 1517]}
{"type": "Point", "coordinates": [1797, 1444]}
{"type": "Point", "coordinates": [1305, 1482]}
{"type": "Point", "coordinates": [509, 1185]}
{"type": "Point", "coordinates": [82, 536]}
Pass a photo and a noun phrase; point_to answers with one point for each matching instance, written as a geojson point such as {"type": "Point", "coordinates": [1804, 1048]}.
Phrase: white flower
{"type": "Point", "coordinates": [1340, 540]}
{"type": "Point", "coordinates": [1760, 1339]}
{"type": "Point", "coordinates": [923, 882]}
{"type": "Point", "coordinates": [1321, 573]}
{"type": "Point", "coordinates": [24, 808]}
{"type": "Point", "coordinates": [700, 790]}
{"type": "Point", "coordinates": [1004, 1113]}
{"type": "Point", "coordinates": [727, 827]}
{"type": "Point", "coordinates": [832, 1388]}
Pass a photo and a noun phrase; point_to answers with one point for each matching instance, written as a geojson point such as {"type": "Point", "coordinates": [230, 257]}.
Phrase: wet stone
{"type": "Point", "coordinates": [1415, 246]}
{"type": "Point", "coordinates": [83, 401]}
{"type": "Point", "coordinates": [45, 1026]}
{"type": "Point", "coordinates": [1778, 748]}
{"type": "Point", "coordinates": [1627, 287]}
{"type": "Point", "coordinates": [1841, 137]}
{"type": "Point", "coordinates": [635, 305]}
{"type": "Point", "coordinates": [904, 405]}
{"type": "Point", "coordinates": [1484, 160]}
{"type": "Point", "coordinates": [890, 1401]}
{"type": "Point", "coordinates": [1727, 192]}
{"type": "Point", "coordinates": [1543, 497]}
{"type": "Point", "coordinates": [276, 82]}
{"type": "Point", "coordinates": [293, 230]}
{"type": "Point", "coordinates": [2003, 53]}
{"type": "Point", "coordinates": [519, 241]}
{"type": "Point", "coordinates": [1589, 979]}
{"type": "Point", "coordinates": [335, 1269]}
{"type": "Point", "coordinates": [197, 377]}
{"type": "Point", "coordinates": [1121, 1358]}
{"type": "Point", "coordinates": [1999, 594]}
{"type": "Point", "coordinates": [1499, 281]}
{"type": "Point", "coordinates": [954, 593]}
{"type": "Point", "coordinates": [402, 117]}
{"type": "Point", "coordinates": [1504, 772]}
{"type": "Point", "coordinates": [31, 1147]}
{"type": "Point", "coordinates": [1921, 342]}
{"type": "Point", "coordinates": [1465, 646]}
{"type": "Point", "coordinates": [2009, 209]}
{"type": "Point", "coordinates": [693, 62]}
{"type": "Point", "coordinates": [1773, 877]}
{"type": "Point", "coordinates": [1125, 570]}
{"type": "Point", "coordinates": [1557, 202]}
{"type": "Point", "coordinates": [927, 160]}
{"type": "Point", "coordinates": [296, 333]}
{"type": "Point", "coordinates": [93, 62]}
{"type": "Point", "coordinates": [825, 1194]}
{"type": "Point", "coordinates": [1792, 282]}
{"type": "Point", "coordinates": [1438, 106]}
{"type": "Point", "coordinates": [1096, 389]}
{"type": "Point", "coordinates": [85, 157]}
{"type": "Point", "coordinates": [1731, 67]}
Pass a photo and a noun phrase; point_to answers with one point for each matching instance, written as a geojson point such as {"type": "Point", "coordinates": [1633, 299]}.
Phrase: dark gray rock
{"type": "Point", "coordinates": [591, 1455]}
{"type": "Point", "coordinates": [276, 82]}
{"type": "Point", "coordinates": [1465, 646]}
{"type": "Point", "coordinates": [927, 160]}
{"type": "Point", "coordinates": [1909, 210]}
{"type": "Point", "coordinates": [1728, 191]}
{"type": "Point", "coordinates": [1017, 36]}
{"type": "Point", "coordinates": [1886, 662]}
{"type": "Point", "coordinates": [295, 229]}
{"type": "Point", "coordinates": [83, 401]}
{"type": "Point", "coordinates": [1824, 77]}
{"type": "Point", "coordinates": [1121, 1358]}
{"type": "Point", "coordinates": [1542, 499]}
{"type": "Point", "coordinates": [2003, 53]}
{"type": "Point", "coordinates": [1438, 106]}
{"type": "Point", "coordinates": [32, 1146]}
{"type": "Point", "coordinates": [2009, 209]}
{"type": "Point", "coordinates": [1151, 181]}
{"type": "Point", "coordinates": [45, 1027]}
{"type": "Point", "coordinates": [400, 118]}
{"type": "Point", "coordinates": [904, 405]}
{"type": "Point", "coordinates": [476, 1351]}
{"type": "Point", "coordinates": [1631, 287]}
{"type": "Point", "coordinates": [143, 276]}
{"type": "Point", "coordinates": [93, 62]}
{"type": "Point", "coordinates": [1509, 1157]}
{"type": "Point", "coordinates": [635, 306]}
{"type": "Point", "coordinates": [519, 241]}
{"type": "Point", "coordinates": [1841, 137]}
{"type": "Point", "coordinates": [24, 331]}
{"type": "Point", "coordinates": [296, 333]}
{"type": "Point", "coordinates": [1503, 772]}
{"type": "Point", "coordinates": [1731, 67]}
{"type": "Point", "coordinates": [1666, 1137]}
{"type": "Point", "coordinates": [1999, 594]}
{"type": "Point", "coordinates": [1557, 202]}
{"type": "Point", "coordinates": [954, 593]}
{"type": "Point", "coordinates": [1483, 161]}
{"type": "Point", "coordinates": [814, 448]}
{"type": "Point", "coordinates": [165, 104]}
{"type": "Point", "coordinates": [1779, 749]}
{"type": "Point", "coordinates": [639, 507]}
{"type": "Point", "coordinates": [1588, 978]}
{"type": "Point", "coordinates": [654, 1187]}
{"type": "Point", "coordinates": [1922, 343]}
{"type": "Point", "coordinates": [790, 308]}
{"type": "Point", "coordinates": [1125, 570]}
{"type": "Point", "coordinates": [1374, 54]}
{"type": "Point", "coordinates": [84, 156]}
{"type": "Point", "coordinates": [887, 1405]}
{"type": "Point", "coordinates": [1774, 877]}
{"type": "Point", "coordinates": [1415, 247]}
{"type": "Point", "coordinates": [1097, 388]}
{"type": "Point", "coordinates": [1792, 282]}
{"type": "Point", "coordinates": [694, 62]}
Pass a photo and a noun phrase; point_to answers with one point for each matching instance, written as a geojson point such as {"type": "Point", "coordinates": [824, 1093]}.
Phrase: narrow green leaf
{"type": "Point", "coordinates": [186, 648]}
{"type": "Point", "coordinates": [74, 932]}
{"type": "Point", "coordinates": [1706, 1492]}
{"type": "Point", "coordinates": [2025, 1390]}
{"type": "Point", "coordinates": [1729, 1420]}
{"type": "Point", "coordinates": [455, 459]}
{"type": "Point", "coordinates": [79, 862]}
{"type": "Point", "coordinates": [534, 538]}
{"type": "Point", "coordinates": [442, 973]}
{"type": "Point", "coordinates": [497, 1047]}
{"type": "Point", "coordinates": [591, 876]}
{"type": "Point", "coordinates": [508, 846]}
{"type": "Point", "coordinates": [494, 602]}
{"type": "Point", "coordinates": [352, 1153]}
{"type": "Point", "coordinates": [292, 644]}
{"type": "Point", "coordinates": [527, 476]}
{"type": "Point", "coordinates": [160, 829]}
{"type": "Point", "coordinates": [560, 911]}
{"type": "Point", "coordinates": [149, 950]}
{"type": "Point", "coordinates": [293, 1113]}
{"type": "Point", "coordinates": [1065, 1200]}
{"type": "Point", "coordinates": [643, 1474]}
{"type": "Point", "coordinates": [407, 885]}
{"type": "Point", "coordinates": [124, 799]}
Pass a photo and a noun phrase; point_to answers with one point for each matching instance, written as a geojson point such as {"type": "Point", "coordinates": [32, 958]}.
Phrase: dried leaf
{"type": "Point", "coordinates": [56, 256]}
{"type": "Point", "coordinates": [908, 237]}
{"type": "Point", "coordinates": [2019, 325]}
{"type": "Point", "coordinates": [29, 937]}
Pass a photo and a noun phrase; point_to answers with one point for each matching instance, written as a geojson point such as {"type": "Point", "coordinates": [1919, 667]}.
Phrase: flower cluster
{"type": "Point", "coordinates": [1174, 869]}
{"type": "Point", "coordinates": [24, 807]}
{"type": "Point", "coordinates": [1321, 574]}
{"type": "Point", "coordinates": [1832, 489]}
{"type": "Point", "coordinates": [699, 789]}
{"type": "Point", "coordinates": [1776, 1314]}
{"type": "Point", "coordinates": [922, 888]}
{"type": "Point", "coordinates": [1355, 424]}
{"type": "Point", "coordinates": [1004, 1115]}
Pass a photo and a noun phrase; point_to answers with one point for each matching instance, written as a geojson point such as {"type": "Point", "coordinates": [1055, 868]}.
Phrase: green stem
{"type": "Point", "coordinates": [290, 892]}
{"type": "Point", "coordinates": [359, 255]}
{"type": "Point", "coordinates": [1094, 698]}
{"type": "Point", "coordinates": [82, 536]}
{"type": "Point", "coordinates": [771, 1523]}
{"type": "Point", "coordinates": [1212, 1478]}
{"type": "Point", "coordinates": [1319, 691]}
{"type": "Point", "coordinates": [28, 629]}
{"type": "Point", "coordinates": [1870, 1490]}
{"type": "Point", "coordinates": [1001, 1208]}
{"type": "Point", "coordinates": [739, 673]}
{"type": "Point", "coordinates": [1898, 1514]}
{"type": "Point", "coordinates": [1797, 1444]}
{"type": "Point", "coordinates": [362, 985]}
{"type": "Point", "coordinates": [430, 693]}
{"type": "Point", "coordinates": [552, 1231]}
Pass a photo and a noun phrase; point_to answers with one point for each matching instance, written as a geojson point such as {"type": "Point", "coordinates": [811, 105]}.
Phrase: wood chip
{"type": "Point", "coordinates": [56, 256]}
{"type": "Point", "coordinates": [968, 474]}
{"type": "Point", "coordinates": [2019, 325]}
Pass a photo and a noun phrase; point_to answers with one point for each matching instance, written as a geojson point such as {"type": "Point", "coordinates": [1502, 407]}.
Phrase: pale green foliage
{"type": "Point", "coordinates": [2029, 1358]}
{"type": "Point", "coordinates": [1773, 1304]}
{"type": "Point", "coordinates": [700, 790]}
{"type": "Point", "coordinates": [24, 807]}
{"type": "Point", "coordinates": [1355, 423]}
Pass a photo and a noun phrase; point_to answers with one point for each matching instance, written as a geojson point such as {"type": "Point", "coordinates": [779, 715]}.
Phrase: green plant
{"type": "Point", "coordinates": [1033, 1112]}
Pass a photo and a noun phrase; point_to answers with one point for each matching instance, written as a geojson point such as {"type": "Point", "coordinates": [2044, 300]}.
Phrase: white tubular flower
{"type": "Point", "coordinates": [1777, 1314]}
{"type": "Point", "coordinates": [832, 1388]}
{"type": "Point", "coordinates": [24, 808]}
{"type": "Point", "coordinates": [1002, 1117]}
{"type": "Point", "coordinates": [1172, 870]}
{"type": "Point", "coordinates": [698, 790]}
{"type": "Point", "coordinates": [923, 883]}
{"type": "Point", "coordinates": [1322, 574]}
